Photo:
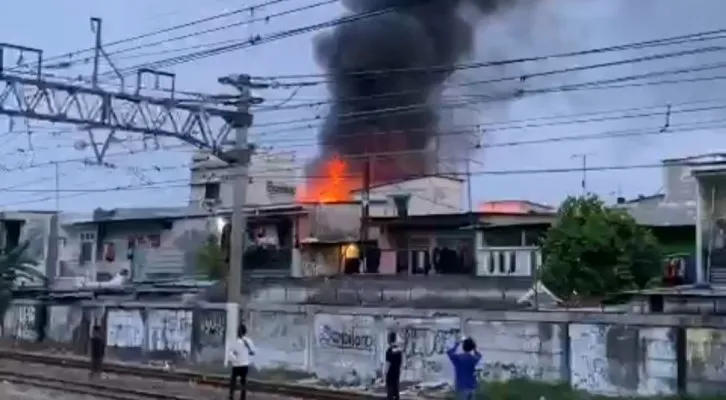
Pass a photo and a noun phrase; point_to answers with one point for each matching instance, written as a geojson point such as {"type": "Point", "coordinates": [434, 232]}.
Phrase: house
{"type": "Point", "coordinates": [38, 229]}
{"type": "Point", "coordinates": [671, 215]}
{"type": "Point", "coordinates": [155, 244]}
{"type": "Point", "coordinates": [147, 243]}
{"type": "Point", "coordinates": [709, 172]}
{"type": "Point", "coordinates": [272, 180]}
{"type": "Point", "coordinates": [326, 229]}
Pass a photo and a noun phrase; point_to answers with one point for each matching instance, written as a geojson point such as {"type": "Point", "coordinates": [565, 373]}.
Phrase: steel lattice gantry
{"type": "Point", "coordinates": [90, 108]}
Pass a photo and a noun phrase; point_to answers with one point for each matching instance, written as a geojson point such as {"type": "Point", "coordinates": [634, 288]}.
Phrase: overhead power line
{"type": "Point", "coordinates": [703, 126]}
{"type": "Point", "coordinates": [164, 185]}
{"type": "Point", "coordinates": [164, 30]}
{"type": "Point", "coordinates": [673, 40]}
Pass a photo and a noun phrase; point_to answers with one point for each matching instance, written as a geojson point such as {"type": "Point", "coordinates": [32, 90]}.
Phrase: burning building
{"type": "Point", "coordinates": [387, 70]}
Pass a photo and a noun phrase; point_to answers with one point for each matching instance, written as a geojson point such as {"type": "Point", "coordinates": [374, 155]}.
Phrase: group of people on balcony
{"type": "Point", "coordinates": [442, 260]}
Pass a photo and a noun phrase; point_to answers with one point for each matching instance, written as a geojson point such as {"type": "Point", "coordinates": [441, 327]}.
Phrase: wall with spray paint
{"type": "Point", "coordinates": [345, 348]}
{"type": "Point", "coordinates": [282, 339]}
{"type": "Point", "coordinates": [613, 354]}
{"type": "Point", "coordinates": [424, 342]}
{"type": "Point", "coordinates": [134, 332]}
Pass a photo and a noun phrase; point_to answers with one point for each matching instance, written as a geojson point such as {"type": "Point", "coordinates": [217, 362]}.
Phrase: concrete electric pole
{"type": "Point", "coordinates": [583, 183]}
{"type": "Point", "coordinates": [239, 158]}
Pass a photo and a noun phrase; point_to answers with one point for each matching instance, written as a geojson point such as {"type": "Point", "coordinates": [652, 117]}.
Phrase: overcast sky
{"type": "Point", "coordinates": [555, 26]}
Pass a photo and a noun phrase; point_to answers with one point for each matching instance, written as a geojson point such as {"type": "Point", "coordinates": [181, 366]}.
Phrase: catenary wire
{"type": "Point", "coordinates": [505, 172]}
{"type": "Point", "coordinates": [163, 30]}
{"type": "Point", "coordinates": [693, 127]}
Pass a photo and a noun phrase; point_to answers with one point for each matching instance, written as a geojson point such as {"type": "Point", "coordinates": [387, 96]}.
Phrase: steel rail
{"type": "Point", "coordinates": [89, 388]}
{"type": "Point", "coordinates": [214, 380]}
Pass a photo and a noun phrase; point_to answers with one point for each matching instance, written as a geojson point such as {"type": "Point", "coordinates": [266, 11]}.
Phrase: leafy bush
{"type": "Point", "coordinates": [593, 250]}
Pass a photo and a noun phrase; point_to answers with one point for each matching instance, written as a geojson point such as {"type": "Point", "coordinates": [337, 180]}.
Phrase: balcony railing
{"type": "Point", "coordinates": [508, 261]}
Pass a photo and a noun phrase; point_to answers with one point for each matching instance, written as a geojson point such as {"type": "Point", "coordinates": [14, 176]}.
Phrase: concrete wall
{"type": "Point", "coordinates": [430, 195]}
{"type": "Point", "coordinates": [165, 333]}
{"type": "Point", "coordinates": [603, 353]}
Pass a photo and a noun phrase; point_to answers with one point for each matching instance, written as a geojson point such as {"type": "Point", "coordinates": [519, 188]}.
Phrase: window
{"type": "Point", "coordinates": [86, 253]}
{"type": "Point", "coordinates": [273, 189]}
{"type": "Point", "coordinates": [88, 248]}
{"type": "Point", "coordinates": [211, 191]}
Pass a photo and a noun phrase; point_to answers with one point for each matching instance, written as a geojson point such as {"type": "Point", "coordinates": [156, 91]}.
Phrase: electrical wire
{"type": "Point", "coordinates": [522, 92]}
{"type": "Point", "coordinates": [693, 37]}
{"type": "Point", "coordinates": [225, 27]}
{"type": "Point", "coordinates": [362, 116]}
{"type": "Point", "coordinates": [158, 32]}
{"type": "Point", "coordinates": [506, 172]}
{"type": "Point", "coordinates": [693, 127]}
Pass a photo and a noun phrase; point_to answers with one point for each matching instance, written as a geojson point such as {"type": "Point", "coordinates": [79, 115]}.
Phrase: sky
{"type": "Point", "coordinates": [554, 125]}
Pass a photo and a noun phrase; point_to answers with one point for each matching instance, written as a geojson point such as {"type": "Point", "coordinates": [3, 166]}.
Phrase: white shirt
{"type": "Point", "coordinates": [241, 352]}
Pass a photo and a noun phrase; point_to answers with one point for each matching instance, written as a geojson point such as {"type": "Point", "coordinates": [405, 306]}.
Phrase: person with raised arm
{"type": "Point", "coordinates": [464, 357]}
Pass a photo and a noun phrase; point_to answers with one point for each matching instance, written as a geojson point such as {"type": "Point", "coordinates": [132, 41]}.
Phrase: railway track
{"type": "Point", "coordinates": [85, 388]}
{"type": "Point", "coordinates": [119, 393]}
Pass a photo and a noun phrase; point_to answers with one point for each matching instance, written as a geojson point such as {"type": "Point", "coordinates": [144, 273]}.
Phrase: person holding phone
{"type": "Point", "coordinates": [465, 363]}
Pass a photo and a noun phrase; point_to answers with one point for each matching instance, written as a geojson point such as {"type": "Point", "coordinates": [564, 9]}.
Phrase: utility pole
{"type": "Point", "coordinates": [57, 186]}
{"type": "Point", "coordinates": [97, 48]}
{"type": "Point", "coordinates": [239, 158]}
{"type": "Point", "coordinates": [583, 183]}
{"type": "Point", "coordinates": [365, 201]}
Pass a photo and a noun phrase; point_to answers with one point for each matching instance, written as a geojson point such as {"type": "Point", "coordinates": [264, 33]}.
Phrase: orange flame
{"type": "Point", "coordinates": [332, 184]}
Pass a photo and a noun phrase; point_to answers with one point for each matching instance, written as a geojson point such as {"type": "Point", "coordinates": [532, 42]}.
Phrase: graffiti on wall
{"type": "Point", "coordinates": [518, 350]}
{"type": "Point", "coordinates": [281, 338]}
{"type": "Point", "coordinates": [424, 344]}
{"type": "Point", "coordinates": [332, 337]}
{"type": "Point", "coordinates": [124, 328]}
{"type": "Point", "coordinates": [212, 328]}
{"type": "Point", "coordinates": [612, 359]}
{"type": "Point", "coordinates": [20, 322]}
{"type": "Point", "coordinates": [170, 330]}
{"type": "Point", "coordinates": [345, 348]}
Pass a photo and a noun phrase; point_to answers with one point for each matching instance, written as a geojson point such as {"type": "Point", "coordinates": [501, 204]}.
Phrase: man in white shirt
{"type": "Point", "coordinates": [240, 356]}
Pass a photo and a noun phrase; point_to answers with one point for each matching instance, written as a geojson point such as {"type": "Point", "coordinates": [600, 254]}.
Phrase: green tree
{"type": "Point", "coordinates": [595, 250]}
{"type": "Point", "coordinates": [15, 267]}
{"type": "Point", "coordinates": [211, 261]}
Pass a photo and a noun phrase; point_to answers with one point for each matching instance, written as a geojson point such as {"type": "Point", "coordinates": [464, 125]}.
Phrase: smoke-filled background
{"type": "Point", "coordinates": [519, 134]}
{"type": "Point", "coordinates": [386, 79]}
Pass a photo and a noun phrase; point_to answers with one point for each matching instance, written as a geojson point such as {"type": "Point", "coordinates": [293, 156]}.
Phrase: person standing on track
{"type": "Point", "coordinates": [98, 347]}
{"type": "Point", "coordinates": [241, 358]}
{"type": "Point", "coordinates": [394, 361]}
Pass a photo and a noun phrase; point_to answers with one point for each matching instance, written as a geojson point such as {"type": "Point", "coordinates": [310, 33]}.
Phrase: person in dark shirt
{"type": "Point", "coordinates": [394, 361]}
{"type": "Point", "coordinates": [465, 363]}
{"type": "Point", "coordinates": [98, 347]}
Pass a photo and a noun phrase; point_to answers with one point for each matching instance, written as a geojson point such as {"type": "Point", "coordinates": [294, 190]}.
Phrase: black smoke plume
{"type": "Point", "coordinates": [386, 75]}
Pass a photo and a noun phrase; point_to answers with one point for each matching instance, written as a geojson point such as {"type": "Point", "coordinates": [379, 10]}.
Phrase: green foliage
{"type": "Point", "coordinates": [593, 250]}
{"type": "Point", "coordinates": [211, 259]}
{"type": "Point", "coordinates": [15, 266]}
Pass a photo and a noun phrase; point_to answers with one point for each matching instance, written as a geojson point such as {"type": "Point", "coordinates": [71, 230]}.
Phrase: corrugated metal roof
{"type": "Point", "coordinates": [662, 213]}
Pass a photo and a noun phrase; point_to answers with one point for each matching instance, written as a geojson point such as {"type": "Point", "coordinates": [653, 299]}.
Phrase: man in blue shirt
{"type": "Point", "coordinates": [465, 363]}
